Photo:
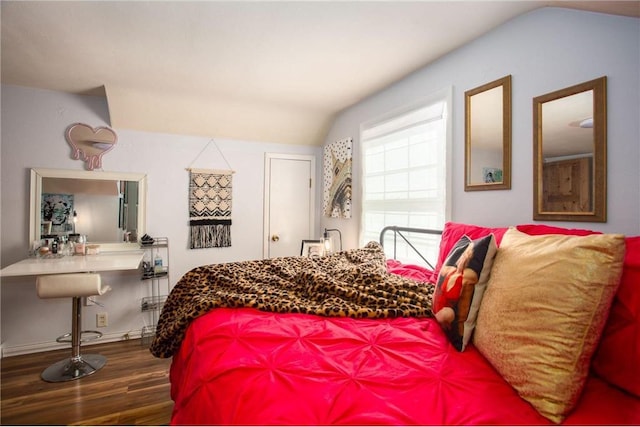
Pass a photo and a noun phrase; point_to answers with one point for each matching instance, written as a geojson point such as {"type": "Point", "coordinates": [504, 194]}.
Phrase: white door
{"type": "Point", "coordinates": [289, 213]}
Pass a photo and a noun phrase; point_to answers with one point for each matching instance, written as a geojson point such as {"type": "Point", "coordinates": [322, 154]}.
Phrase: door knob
{"type": "Point", "coordinates": [275, 238]}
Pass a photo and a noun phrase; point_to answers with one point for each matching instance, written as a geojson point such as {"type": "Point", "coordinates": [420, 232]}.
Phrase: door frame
{"type": "Point", "coordinates": [267, 194]}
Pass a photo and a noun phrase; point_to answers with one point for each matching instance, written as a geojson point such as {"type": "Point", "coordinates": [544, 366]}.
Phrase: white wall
{"type": "Point", "coordinates": [33, 125]}
{"type": "Point", "coordinates": [544, 51]}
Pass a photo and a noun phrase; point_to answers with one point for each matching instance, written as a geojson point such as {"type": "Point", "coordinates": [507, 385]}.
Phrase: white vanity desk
{"type": "Point", "coordinates": [114, 255]}
{"type": "Point", "coordinates": [106, 261]}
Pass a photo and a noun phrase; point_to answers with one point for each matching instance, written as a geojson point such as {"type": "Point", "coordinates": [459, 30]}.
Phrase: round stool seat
{"type": "Point", "coordinates": [70, 285]}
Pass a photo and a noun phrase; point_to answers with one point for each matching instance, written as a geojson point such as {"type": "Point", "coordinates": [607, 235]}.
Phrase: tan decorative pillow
{"type": "Point", "coordinates": [544, 310]}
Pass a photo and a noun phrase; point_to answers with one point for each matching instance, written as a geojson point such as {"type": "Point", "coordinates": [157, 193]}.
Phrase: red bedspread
{"type": "Point", "coordinates": [243, 366]}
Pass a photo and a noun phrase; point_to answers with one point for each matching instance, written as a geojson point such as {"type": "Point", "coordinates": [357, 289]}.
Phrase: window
{"type": "Point", "coordinates": [405, 176]}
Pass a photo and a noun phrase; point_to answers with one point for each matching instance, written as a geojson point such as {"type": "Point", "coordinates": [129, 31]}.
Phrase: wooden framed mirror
{"type": "Point", "coordinates": [570, 153]}
{"type": "Point", "coordinates": [488, 136]}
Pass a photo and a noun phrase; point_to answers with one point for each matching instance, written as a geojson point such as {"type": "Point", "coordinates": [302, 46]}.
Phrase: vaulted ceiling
{"type": "Point", "coordinates": [263, 71]}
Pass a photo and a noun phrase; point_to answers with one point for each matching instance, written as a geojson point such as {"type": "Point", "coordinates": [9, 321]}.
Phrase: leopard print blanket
{"type": "Point", "coordinates": [352, 283]}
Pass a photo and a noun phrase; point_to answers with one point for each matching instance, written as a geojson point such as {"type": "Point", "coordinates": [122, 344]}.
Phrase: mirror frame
{"type": "Point", "coordinates": [35, 204]}
{"type": "Point", "coordinates": [505, 82]}
{"type": "Point", "coordinates": [599, 184]}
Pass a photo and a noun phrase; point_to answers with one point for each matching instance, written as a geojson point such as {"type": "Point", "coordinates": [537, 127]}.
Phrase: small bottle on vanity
{"type": "Point", "coordinates": [79, 247]}
{"type": "Point", "coordinates": [157, 264]}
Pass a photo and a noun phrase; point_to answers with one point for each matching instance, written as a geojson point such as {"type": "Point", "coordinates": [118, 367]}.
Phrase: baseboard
{"type": "Point", "coordinates": [8, 351]}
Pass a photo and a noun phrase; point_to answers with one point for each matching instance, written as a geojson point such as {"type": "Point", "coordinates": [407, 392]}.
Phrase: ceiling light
{"type": "Point", "coordinates": [587, 123]}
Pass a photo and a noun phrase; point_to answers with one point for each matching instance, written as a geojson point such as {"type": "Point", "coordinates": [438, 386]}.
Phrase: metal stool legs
{"type": "Point", "coordinates": [76, 366]}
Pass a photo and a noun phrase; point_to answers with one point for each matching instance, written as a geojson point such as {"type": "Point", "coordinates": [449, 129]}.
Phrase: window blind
{"type": "Point", "coordinates": [404, 175]}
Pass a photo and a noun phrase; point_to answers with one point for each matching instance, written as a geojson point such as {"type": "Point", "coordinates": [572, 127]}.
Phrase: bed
{"type": "Point", "coordinates": [357, 342]}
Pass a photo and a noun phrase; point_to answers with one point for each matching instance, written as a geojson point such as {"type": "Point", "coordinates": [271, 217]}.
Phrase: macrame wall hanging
{"type": "Point", "coordinates": [210, 193]}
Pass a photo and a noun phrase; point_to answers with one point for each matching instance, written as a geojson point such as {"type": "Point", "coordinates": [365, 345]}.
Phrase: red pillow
{"type": "Point", "coordinates": [617, 359]}
{"type": "Point", "coordinates": [453, 232]}
{"type": "Point", "coordinates": [538, 229]}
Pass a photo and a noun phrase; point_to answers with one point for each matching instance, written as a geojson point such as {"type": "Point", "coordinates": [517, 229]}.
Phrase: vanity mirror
{"type": "Point", "coordinates": [570, 153]}
{"type": "Point", "coordinates": [108, 207]}
{"type": "Point", "coordinates": [488, 136]}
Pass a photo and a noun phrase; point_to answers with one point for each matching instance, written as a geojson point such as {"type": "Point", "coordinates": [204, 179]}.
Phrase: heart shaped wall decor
{"type": "Point", "coordinates": [90, 143]}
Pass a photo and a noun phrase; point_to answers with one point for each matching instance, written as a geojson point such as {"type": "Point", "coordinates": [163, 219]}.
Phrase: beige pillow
{"type": "Point", "coordinates": [544, 310]}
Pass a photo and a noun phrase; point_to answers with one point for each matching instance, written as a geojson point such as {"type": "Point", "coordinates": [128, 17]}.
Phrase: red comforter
{"type": "Point", "coordinates": [243, 366]}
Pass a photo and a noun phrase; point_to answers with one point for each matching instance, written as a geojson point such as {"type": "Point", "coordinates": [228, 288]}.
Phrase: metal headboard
{"type": "Point", "coordinates": [397, 231]}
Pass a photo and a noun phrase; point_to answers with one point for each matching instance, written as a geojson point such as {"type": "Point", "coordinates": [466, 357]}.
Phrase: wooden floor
{"type": "Point", "coordinates": [131, 389]}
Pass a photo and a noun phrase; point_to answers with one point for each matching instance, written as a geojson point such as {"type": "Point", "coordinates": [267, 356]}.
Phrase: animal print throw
{"type": "Point", "coordinates": [353, 283]}
{"type": "Point", "coordinates": [210, 208]}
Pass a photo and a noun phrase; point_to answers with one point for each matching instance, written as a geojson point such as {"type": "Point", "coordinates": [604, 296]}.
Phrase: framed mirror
{"type": "Point", "coordinates": [570, 153]}
{"type": "Point", "coordinates": [488, 136]}
{"type": "Point", "coordinates": [108, 207]}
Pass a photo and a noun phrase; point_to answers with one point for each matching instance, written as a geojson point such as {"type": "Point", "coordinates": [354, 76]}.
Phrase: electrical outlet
{"type": "Point", "coordinates": [102, 320]}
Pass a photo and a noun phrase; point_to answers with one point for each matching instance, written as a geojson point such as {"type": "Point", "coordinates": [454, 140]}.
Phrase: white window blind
{"type": "Point", "coordinates": [405, 177]}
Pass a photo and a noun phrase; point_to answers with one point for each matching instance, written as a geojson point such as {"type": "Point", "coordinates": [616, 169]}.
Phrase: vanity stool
{"type": "Point", "coordinates": [73, 286]}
